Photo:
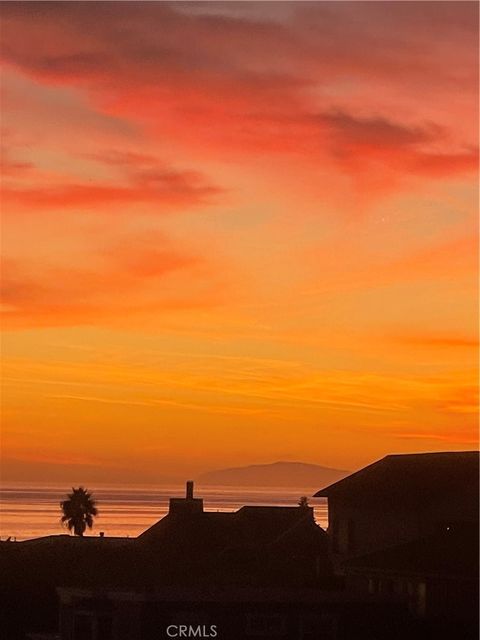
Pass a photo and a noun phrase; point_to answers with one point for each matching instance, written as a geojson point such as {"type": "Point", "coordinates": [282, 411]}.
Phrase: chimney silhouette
{"type": "Point", "coordinates": [187, 506]}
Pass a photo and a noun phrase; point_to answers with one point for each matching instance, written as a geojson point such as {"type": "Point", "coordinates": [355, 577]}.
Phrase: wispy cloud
{"type": "Point", "coordinates": [453, 438]}
{"type": "Point", "coordinates": [126, 278]}
{"type": "Point", "coordinates": [191, 70]}
{"type": "Point", "coordinates": [257, 222]}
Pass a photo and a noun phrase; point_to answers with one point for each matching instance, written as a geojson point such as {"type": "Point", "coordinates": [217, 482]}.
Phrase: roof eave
{"type": "Point", "coordinates": [323, 493]}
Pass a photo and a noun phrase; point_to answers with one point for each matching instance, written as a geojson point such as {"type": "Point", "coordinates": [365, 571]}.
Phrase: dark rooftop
{"type": "Point", "coordinates": [187, 546]}
{"type": "Point", "coordinates": [209, 533]}
{"type": "Point", "coordinates": [420, 476]}
{"type": "Point", "coordinates": [188, 526]}
{"type": "Point", "coordinates": [66, 539]}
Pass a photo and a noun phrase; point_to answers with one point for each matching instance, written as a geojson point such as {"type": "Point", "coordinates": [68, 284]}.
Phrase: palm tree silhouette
{"type": "Point", "coordinates": [79, 510]}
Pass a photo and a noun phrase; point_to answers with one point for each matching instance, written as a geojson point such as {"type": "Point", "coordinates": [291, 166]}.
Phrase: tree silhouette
{"type": "Point", "coordinates": [79, 510]}
{"type": "Point", "coordinates": [303, 502]}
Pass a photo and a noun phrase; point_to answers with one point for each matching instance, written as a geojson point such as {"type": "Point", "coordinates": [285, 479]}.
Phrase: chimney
{"type": "Point", "coordinates": [187, 506]}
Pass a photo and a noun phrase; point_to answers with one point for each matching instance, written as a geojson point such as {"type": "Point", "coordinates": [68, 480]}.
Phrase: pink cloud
{"type": "Point", "coordinates": [265, 84]}
{"type": "Point", "coordinates": [140, 179]}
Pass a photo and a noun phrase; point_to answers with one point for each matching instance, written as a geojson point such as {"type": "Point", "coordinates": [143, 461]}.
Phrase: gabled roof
{"type": "Point", "coordinates": [420, 476]}
{"type": "Point", "coordinates": [304, 534]}
{"type": "Point", "coordinates": [236, 546]}
{"type": "Point", "coordinates": [212, 530]}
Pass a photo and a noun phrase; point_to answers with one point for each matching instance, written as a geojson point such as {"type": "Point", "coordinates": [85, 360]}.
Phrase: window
{"type": "Point", "coordinates": [417, 598]}
{"type": "Point", "coordinates": [421, 598]}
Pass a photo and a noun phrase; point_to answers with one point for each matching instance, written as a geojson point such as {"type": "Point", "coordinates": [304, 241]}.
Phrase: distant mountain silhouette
{"type": "Point", "coordinates": [277, 474]}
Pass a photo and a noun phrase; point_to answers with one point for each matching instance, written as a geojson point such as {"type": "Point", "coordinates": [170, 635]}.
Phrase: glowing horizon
{"type": "Point", "coordinates": [236, 233]}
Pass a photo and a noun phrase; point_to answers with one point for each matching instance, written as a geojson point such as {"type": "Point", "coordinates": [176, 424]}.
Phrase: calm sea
{"type": "Point", "coordinates": [29, 512]}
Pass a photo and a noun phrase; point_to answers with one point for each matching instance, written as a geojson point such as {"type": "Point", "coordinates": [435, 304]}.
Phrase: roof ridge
{"type": "Point", "coordinates": [319, 493]}
{"type": "Point", "coordinates": [458, 458]}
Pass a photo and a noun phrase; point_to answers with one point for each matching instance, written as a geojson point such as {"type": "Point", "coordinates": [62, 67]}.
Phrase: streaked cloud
{"type": "Point", "coordinates": [238, 231]}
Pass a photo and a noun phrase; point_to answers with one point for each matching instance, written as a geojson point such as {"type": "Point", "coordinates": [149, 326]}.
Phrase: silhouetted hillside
{"type": "Point", "coordinates": [277, 474]}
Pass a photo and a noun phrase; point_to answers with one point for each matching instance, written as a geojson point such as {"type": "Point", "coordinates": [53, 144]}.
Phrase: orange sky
{"type": "Point", "coordinates": [236, 233]}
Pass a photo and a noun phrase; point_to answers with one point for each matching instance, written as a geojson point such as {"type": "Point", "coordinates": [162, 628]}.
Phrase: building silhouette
{"type": "Point", "coordinates": [406, 528]}
{"type": "Point", "coordinates": [401, 498]}
{"type": "Point", "coordinates": [399, 560]}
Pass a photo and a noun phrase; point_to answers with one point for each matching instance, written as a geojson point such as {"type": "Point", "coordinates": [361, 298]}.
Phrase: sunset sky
{"type": "Point", "coordinates": [235, 234]}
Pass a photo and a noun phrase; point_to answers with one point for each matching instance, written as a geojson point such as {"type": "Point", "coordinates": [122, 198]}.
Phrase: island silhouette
{"type": "Point", "coordinates": [275, 474]}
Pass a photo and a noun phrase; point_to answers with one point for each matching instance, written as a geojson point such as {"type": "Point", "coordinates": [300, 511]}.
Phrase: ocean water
{"type": "Point", "coordinates": [28, 511]}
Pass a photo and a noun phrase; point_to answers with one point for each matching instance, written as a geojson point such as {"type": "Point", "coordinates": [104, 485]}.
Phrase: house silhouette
{"type": "Point", "coordinates": [401, 498]}
{"type": "Point", "coordinates": [406, 527]}
{"type": "Point", "coordinates": [399, 560]}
